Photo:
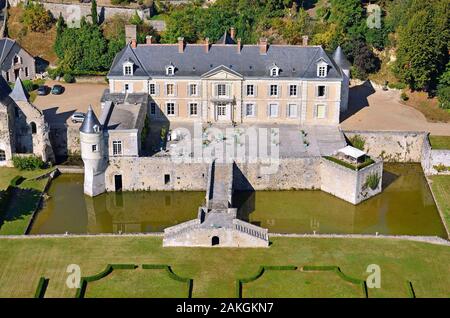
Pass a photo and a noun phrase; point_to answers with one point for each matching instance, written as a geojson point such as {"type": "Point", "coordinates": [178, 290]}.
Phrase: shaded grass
{"type": "Point", "coordinates": [440, 142]}
{"type": "Point", "coordinates": [23, 201]}
{"type": "Point", "coordinates": [214, 271]}
{"type": "Point", "coordinates": [441, 190]}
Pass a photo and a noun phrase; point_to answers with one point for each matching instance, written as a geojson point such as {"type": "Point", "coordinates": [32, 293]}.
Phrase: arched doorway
{"type": "Point", "coordinates": [215, 241]}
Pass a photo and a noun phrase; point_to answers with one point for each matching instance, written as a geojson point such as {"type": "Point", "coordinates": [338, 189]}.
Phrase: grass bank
{"type": "Point", "coordinates": [440, 142]}
{"type": "Point", "coordinates": [441, 190]}
{"type": "Point", "coordinates": [214, 271]}
{"type": "Point", "coordinates": [22, 199]}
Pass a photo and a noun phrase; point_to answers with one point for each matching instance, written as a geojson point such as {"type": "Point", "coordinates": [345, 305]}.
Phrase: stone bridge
{"type": "Point", "coordinates": [217, 223]}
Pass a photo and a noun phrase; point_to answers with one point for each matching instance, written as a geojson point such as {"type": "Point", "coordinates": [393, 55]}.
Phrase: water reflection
{"type": "Point", "coordinates": [405, 206]}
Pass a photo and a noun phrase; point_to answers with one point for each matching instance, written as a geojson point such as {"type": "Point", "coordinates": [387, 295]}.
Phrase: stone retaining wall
{"type": "Point", "coordinates": [432, 159]}
{"type": "Point", "coordinates": [65, 140]}
{"type": "Point", "coordinates": [392, 146]}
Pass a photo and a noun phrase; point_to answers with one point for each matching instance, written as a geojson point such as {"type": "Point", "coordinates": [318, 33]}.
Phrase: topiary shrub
{"type": "Point", "coordinates": [69, 78]}
{"type": "Point", "coordinates": [28, 162]}
{"type": "Point", "coordinates": [404, 97]}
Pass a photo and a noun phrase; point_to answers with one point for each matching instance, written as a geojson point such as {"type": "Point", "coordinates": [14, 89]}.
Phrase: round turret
{"type": "Point", "coordinates": [341, 61]}
{"type": "Point", "coordinates": [92, 144]}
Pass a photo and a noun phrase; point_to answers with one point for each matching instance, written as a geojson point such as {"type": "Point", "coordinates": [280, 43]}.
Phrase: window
{"type": "Point", "coordinates": [117, 147]}
{"type": "Point", "coordinates": [26, 72]}
{"type": "Point", "coordinates": [292, 90]}
{"type": "Point", "coordinates": [170, 70]}
{"type": "Point", "coordinates": [322, 70]}
{"type": "Point", "coordinates": [17, 59]}
{"type": "Point", "coordinates": [274, 71]}
{"type": "Point", "coordinates": [166, 178]}
{"type": "Point", "coordinates": [126, 87]}
{"type": "Point", "coordinates": [2, 155]}
{"type": "Point", "coordinates": [170, 89]}
{"type": "Point", "coordinates": [193, 90]}
{"type": "Point", "coordinates": [152, 108]}
{"type": "Point", "coordinates": [321, 111]}
{"type": "Point", "coordinates": [273, 91]}
{"type": "Point", "coordinates": [292, 110]}
{"type": "Point", "coordinates": [171, 109]}
{"type": "Point", "coordinates": [250, 90]}
{"type": "Point", "coordinates": [94, 148]}
{"type": "Point", "coordinates": [250, 110]}
{"type": "Point", "coordinates": [221, 90]}
{"type": "Point", "coordinates": [33, 127]}
{"type": "Point", "coordinates": [221, 109]}
{"type": "Point", "coordinates": [193, 109]}
{"type": "Point", "coordinates": [321, 90]}
{"type": "Point", "coordinates": [128, 70]}
{"type": "Point", "coordinates": [152, 89]}
{"type": "Point", "coordinates": [273, 110]}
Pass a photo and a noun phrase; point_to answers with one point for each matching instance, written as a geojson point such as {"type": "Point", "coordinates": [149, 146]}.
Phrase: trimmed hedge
{"type": "Point", "coordinates": [16, 181]}
{"type": "Point", "coordinates": [41, 288]}
{"type": "Point", "coordinates": [342, 275]}
{"type": "Point", "coordinates": [108, 270]}
{"type": "Point", "coordinates": [260, 272]}
{"type": "Point", "coordinates": [189, 281]}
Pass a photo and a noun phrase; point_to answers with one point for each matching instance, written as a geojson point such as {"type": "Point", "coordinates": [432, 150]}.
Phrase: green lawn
{"type": "Point", "coordinates": [214, 271]}
{"type": "Point", "coordinates": [440, 142]}
{"type": "Point", "coordinates": [144, 283]}
{"type": "Point", "coordinates": [441, 190]}
{"type": "Point", "coordinates": [22, 203]}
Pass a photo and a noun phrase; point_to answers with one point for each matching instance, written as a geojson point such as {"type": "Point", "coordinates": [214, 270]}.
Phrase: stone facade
{"type": "Point", "coordinates": [347, 184]}
{"type": "Point", "coordinates": [392, 146]}
{"type": "Point", "coordinates": [16, 62]}
{"type": "Point", "coordinates": [23, 129]}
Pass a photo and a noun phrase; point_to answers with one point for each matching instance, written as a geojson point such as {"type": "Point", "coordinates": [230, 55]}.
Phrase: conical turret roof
{"type": "Point", "coordinates": [19, 92]}
{"type": "Point", "coordinates": [90, 122]}
{"type": "Point", "coordinates": [340, 59]}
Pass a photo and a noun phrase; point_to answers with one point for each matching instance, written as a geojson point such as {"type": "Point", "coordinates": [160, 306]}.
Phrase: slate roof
{"type": "Point", "coordinates": [19, 92]}
{"type": "Point", "coordinates": [89, 122]}
{"type": "Point", "coordinates": [294, 61]}
{"type": "Point", "coordinates": [226, 39]}
{"type": "Point", "coordinates": [340, 59]}
{"type": "Point", "coordinates": [8, 49]}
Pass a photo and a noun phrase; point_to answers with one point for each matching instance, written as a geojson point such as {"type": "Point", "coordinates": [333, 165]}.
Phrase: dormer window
{"type": "Point", "coordinates": [322, 69]}
{"type": "Point", "coordinates": [17, 59]}
{"type": "Point", "coordinates": [274, 71]}
{"type": "Point", "coordinates": [128, 68]}
{"type": "Point", "coordinates": [170, 70]}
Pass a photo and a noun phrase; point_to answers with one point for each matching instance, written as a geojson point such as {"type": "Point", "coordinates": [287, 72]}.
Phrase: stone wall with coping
{"type": "Point", "coordinates": [65, 140]}
{"type": "Point", "coordinates": [392, 146]}
{"type": "Point", "coordinates": [432, 159]}
{"type": "Point", "coordinates": [347, 184]}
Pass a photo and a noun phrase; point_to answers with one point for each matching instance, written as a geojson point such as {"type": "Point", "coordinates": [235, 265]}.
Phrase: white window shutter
{"type": "Point", "coordinates": [268, 90]}
{"type": "Point", "coordinates": [228, 88]}
{"type": "Point", "coordinates": [175, 88]}
{"type": "Point", "coordinates": [165, 89]}
{"type": "Point", "coordinates": [255, 90]}
{"type": "Point", "coordinates": [176, 109]}
{"type": "Point", "coordinates": [279, 91]}
{"type": "Point", "coordinates": [315, 111]}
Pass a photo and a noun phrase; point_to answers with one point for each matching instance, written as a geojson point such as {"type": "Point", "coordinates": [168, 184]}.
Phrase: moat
{"type": "Point", "coordinates": [405, 207]}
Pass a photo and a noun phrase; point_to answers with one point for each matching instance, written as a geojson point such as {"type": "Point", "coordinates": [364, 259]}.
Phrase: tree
{"type": "Point", "coordinates": [423, 44]}
{"type": "Point", "coordinates": [36, 18]}
{"type": "Point", "coordinates": [94, 14]}
{"type": "Point", "coordinates": [443, 91]}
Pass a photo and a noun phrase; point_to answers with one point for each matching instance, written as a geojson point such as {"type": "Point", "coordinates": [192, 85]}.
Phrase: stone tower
{"type": "Point", "coordinates": [344, 64]}
{"type": "Point", "coordinates": [93, 153]}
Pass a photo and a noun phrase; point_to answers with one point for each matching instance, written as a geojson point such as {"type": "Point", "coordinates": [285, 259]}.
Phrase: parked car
{"type": "Point", "coordinates": [78, 117]}
{"type": "Point", "coordinates": [42, 90]}
{"type": "Point", "coordinates": [57, 89]}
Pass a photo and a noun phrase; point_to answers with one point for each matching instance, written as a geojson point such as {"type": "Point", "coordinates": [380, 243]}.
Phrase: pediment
{"type": "Point", "coordinates": [222, 72]}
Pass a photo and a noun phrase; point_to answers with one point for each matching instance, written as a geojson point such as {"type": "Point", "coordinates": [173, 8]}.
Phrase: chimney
{"type": "Point", "coordinates": [207, 45]}
{"type": "Point", "coordinates": [232, 32]}
{"type": "Point", "coordinates": [180, 44]}
{"type": "Point", "coordinates": [263, 46]}
{"type": "Point", "coordinates": [239, 45]}
{"type": "Point", "coordinates": [130, 33]}
{"type": "Point", "coordinates": [133, 43]}
{"type": "Point", "coordinates": [305, 40]}
{"type": "Point", "coordinates": [148, 39]}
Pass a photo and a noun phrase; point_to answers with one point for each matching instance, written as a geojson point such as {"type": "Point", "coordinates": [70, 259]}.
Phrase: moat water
{"type": "Point", "coordinates": [405, 206]}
